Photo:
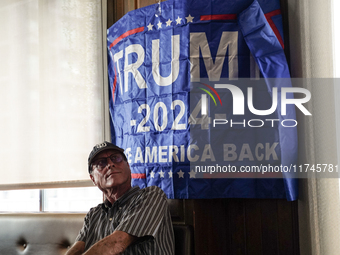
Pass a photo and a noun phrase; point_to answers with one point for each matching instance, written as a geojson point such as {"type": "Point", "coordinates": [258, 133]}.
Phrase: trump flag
{"type": "Point", "coordinates": [197, 99]}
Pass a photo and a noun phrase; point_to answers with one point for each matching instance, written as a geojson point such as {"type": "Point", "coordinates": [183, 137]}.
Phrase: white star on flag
{"type": "Point", "coordinates": [150, 26]}
{"type": "Point", "coordinates": [152, 174]}
{"type": "Point", "coordinates": [170, 174]}
{"type": "Point", "coordinates": [161, 173]}
{"type": "Point", "coordinates": [192, 173]}
{"type": "Point", "coordinates": [178, 20]}
{"type": "Point", "coordinates": [168, 23]}
{"type": "Point", "coordinates": [180, 174]}
{"type": "Point", "coordinates": [189, 18]}
{"type": "Point", "coordinates": [159, 24]}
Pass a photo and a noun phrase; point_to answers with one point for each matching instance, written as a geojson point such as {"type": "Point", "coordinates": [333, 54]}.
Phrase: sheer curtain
{"type": "Point", "coordinates": [311, 50]}
{"type": "Point", "coordinates": [51, 89]}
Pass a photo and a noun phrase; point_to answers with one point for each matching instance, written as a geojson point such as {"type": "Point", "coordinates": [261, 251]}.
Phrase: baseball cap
{"type": "Point", "coordinates": [102, 147]}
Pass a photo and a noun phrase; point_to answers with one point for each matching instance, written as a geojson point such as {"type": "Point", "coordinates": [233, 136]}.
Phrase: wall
{"type": "Point", "coordinates": [240, 226]}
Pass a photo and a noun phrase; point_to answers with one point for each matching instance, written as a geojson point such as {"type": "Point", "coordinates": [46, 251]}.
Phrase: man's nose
{"type": "Point", "coordinates": [110, 162]}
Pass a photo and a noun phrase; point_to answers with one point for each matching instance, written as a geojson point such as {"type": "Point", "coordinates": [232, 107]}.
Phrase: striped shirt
{"type": "Point", "coordinates": [139, 212]}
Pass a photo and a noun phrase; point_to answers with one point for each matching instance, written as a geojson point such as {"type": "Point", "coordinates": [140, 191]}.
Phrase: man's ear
{"type": "Point", "coordinates": [93, 180]}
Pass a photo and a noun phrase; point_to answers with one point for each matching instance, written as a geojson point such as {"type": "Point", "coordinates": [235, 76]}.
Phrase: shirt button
{"type": "Point", "coordinates": [120, 208]}
{"type": "Point", "coordinates": [110, 219]}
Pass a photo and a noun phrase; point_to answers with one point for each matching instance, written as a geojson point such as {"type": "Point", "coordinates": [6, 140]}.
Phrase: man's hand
{"type": "Point", "coordinates": [77, 249]}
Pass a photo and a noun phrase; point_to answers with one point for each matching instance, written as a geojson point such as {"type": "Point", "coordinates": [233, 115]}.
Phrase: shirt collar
{"type": "Point", "coordinates": [122, 200]}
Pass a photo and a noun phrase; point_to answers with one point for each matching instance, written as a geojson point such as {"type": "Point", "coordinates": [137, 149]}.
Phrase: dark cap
{"type": "Point", "coordinates": [102, 147]}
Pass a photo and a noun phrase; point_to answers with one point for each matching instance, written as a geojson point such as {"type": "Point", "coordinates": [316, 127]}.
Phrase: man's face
{"type": "Point", "coordinates": [113, 175]}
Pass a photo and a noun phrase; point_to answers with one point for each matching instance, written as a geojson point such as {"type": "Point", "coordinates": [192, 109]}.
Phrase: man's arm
{"type": "Point", "coordinates": [77, 248]}
{"type": "Point", "coordinates": [113, 244]}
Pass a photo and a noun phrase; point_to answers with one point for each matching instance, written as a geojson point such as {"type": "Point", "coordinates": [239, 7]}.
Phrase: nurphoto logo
{"type": "Point", "coordinates": [281, 99]}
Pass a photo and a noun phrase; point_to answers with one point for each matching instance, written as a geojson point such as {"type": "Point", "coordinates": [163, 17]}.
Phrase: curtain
{"type": "Point", "coordinates": [51, 89]}
{"type": "Point", "coordinates": [311, 52]}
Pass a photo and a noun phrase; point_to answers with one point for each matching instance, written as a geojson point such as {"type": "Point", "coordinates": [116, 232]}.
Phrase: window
{"type": "Point", "coordinates": [50, 200]}
{"type": "Point", "coordinates": [19, 200]}
{"type": "Point", "coordinates": [52, 82]}
{"type": "Point", "coordinates": [71, 199]}
{"type": "Point", "coordinates": [51, 89]}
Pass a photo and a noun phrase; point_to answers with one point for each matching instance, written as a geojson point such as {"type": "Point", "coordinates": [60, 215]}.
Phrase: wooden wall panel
{"type": "Point", "coordinates": [253, 227]}
{"type": "Point", "coordinates": [245, 226]}
{"type": "Point", "coordinates": [269, 226]}
{"type": "Point", "coordinates": [110, 13]}
{"type": "Point", "coordinates": [287, 223]}
{"type": "Point", "coordinates": [142, 3]}
{"type": "Point", "coordinates": [237, 227]}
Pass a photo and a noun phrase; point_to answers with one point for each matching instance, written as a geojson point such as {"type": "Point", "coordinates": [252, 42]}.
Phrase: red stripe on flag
{"type": "Point", "coordinates": [118, 39]}
{"type": "Point", "coordinates": [114, 82]}
{"type": "Point", "coordinates": [138, 176]}
{"type": "Point", "coordinates": [219, 17]}
{"type": "Point", "coordinates": [126, 34]}
{"type": "Point", "coordinates": [269, 16]}
{"type": "Point", "coordinates": [273, 13]}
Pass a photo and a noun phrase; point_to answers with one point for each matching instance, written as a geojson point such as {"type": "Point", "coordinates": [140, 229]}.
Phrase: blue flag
{"type": "Point", "coordinates": [180, 75]}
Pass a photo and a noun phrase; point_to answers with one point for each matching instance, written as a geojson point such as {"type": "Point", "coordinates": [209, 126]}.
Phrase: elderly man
{"type": "Point", "coordinates": [131, 220]}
